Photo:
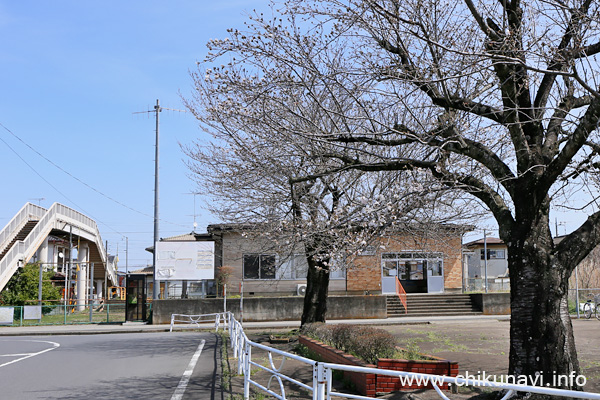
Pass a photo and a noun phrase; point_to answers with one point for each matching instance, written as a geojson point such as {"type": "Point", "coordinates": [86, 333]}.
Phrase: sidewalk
{"type": "Point", "coordinates": [94, 329]}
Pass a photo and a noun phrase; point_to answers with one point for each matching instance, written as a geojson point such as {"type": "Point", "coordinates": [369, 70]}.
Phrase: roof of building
{"type": "Point", "coordinates": [235, 227]}
{"type": "Point", "coordinates": [488, 240]}
{"type": "Point", "coordinates": [253, 226]}
{"type": "Point", "coordinates": [143, 271]}
{"type": "Point", "coordinates": [186, 237]}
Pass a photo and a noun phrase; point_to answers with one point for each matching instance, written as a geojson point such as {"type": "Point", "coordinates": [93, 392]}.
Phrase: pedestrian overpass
{"type": "Point", "coordinates": [25, 239]}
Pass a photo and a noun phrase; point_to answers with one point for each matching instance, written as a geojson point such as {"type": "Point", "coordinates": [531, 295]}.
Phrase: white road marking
{"type": "Point", "coordinates": [185, 379]}
{"type": "Point", "coordinates": [14, 355]}
{"type": "Point", "coordinates": [29, 355]}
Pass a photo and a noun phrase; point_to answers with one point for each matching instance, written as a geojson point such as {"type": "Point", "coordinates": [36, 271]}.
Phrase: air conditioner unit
{"type": "Point", "coordinates": [301, 289]}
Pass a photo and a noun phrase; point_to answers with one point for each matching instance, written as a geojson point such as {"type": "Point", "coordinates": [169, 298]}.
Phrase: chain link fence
{"type": "Point", "coordinates": [580, 297]}
{"type": "Point", "coordinates": [62, 314]}
{"type": "Point", "coordinates": [478, 285]}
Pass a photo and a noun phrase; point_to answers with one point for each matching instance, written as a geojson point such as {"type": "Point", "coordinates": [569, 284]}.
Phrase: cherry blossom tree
{"type": "Point", "coordinates": [497, 99]}
{"type": "Point", "coordinates": [266, 168]}
{"type": "Point", "coordinates": [501, 98]}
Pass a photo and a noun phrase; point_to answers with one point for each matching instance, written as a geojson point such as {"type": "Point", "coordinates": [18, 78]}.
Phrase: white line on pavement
{"type": "Point", "coordinates": [178, 395]}
{"type": "Point", "coordinates": [54, 344]}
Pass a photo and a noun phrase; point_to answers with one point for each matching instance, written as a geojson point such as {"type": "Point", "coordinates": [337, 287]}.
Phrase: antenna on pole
{"type": "Point", "coordinates": [39, 200]}
{"type": "Point", "coordinates": [195, 225]}
{"type": "Point", "coordinates": [157, 109]}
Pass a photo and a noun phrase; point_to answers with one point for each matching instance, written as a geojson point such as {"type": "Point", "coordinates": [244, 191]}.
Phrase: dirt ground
{"type": "Point", "coordinates": [477, 346]}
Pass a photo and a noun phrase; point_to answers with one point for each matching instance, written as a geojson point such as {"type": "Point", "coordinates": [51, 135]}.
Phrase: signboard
{"type": "Point", "coordinates": [32, 312]}
{"type": "Point", "coordinates": [6, 315]}
{"type": "Point", "coordinates": [192, 261]}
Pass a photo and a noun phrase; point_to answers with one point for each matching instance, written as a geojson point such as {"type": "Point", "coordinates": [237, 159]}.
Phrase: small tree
{"type": "Point", "coordinates": [23, 287]}
{"type": "Point", "coordinates": [223, 275]}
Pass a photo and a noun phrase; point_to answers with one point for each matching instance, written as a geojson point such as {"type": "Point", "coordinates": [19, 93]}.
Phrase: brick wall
{"type": "Point", "coordinates": [370, 384]}
{"type": "Point", "coordinates": [433, 367]}
{"type": "Point", "coordinates": [365, 383]}
{"type": "Point", "coordinates": [365, 274]}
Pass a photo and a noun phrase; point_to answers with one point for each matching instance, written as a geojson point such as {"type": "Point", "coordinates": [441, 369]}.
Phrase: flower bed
{"type": "Point", "coordinates": [370, 384]}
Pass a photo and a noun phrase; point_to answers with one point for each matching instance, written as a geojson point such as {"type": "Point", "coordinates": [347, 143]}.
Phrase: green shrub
{"type": "Point", "coordinates": [342, 336]}
{"type": "Point", "coordinates": [23, 287]}
{"type": "Point", "coordinates": [364, 342]}
{"type": "Point", "coordinates": [373, 345]}
{"type": "Point", "coordinates": [319, 331]}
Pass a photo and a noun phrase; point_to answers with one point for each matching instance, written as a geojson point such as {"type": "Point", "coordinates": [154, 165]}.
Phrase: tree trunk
{"type": "Point", "coordinates": [542, 346]}
{"type": "Point", "coordinates": [317, 289]}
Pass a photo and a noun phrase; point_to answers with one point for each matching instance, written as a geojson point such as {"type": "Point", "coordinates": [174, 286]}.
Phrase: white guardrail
{"type": "Point", "coordinates": [321, 387]}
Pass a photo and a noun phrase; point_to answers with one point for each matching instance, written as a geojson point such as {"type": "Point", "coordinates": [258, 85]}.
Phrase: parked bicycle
{"type": "Point", "coordinates": [591, 307]}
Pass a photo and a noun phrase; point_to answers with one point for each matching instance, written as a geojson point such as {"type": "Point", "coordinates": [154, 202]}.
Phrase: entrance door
{"type": "Point", "coordinates": [389, 271]}
{"type": "Point", "coordinates": [418, 272]}
{"type": "Point", "coordinates": [135, 300]}
{"type": "Point", "coordinates": [393, 268]}
{"type": "Point", "coordinates": [435, 276]}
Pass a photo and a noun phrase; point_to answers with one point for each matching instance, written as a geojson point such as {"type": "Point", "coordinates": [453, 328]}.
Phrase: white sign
{"type": "Point", "coordinates": [192, 261]}
{"type": "Point", "coordinates": [32, 312]}
{"type": "Point", "coordinates": [6, 315]}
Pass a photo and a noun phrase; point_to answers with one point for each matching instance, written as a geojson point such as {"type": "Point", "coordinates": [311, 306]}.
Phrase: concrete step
{"type": "Point", "coordinates": [431, 305]}
{"type": "Point", "coordinates": [430, 314]}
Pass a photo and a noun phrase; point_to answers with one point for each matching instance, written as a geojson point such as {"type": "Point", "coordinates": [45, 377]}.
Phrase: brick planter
{"type": "Point", "coordinates": [370, 384]}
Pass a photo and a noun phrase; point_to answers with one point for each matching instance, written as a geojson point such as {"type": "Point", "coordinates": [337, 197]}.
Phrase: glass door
{"type": "Point", "coordinates": [389, 271]}
{"type": "Point", "coordinates": [435, 276]}
{"type": "Point", "coordinates": [418, 272]}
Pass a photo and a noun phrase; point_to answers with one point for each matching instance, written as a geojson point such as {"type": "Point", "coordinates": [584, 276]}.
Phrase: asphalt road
{"type": "Point", "coordinates": [178, 365]}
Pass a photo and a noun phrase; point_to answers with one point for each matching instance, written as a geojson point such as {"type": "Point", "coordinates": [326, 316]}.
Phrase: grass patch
{"type": "Point", "coordinates": [305, 352]}
{"type": "Point", "coordinates": [411, 351]}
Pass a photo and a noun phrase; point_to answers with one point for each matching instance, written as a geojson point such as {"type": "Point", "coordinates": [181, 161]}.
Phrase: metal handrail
{"type": "Point", "coordinates": [401, 294]}
{"type": "Point", "coordinates": [322, 372]}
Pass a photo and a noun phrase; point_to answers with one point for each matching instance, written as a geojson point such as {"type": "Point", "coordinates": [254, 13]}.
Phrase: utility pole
{"type": "Point", "coordinates": [126, 256]}
{"type": "Point", "coordinates": [156, 286]}
{"type": "Point", "coordinates": [157, 110]}
{"type": "Point", "coordinates": [485, 259]}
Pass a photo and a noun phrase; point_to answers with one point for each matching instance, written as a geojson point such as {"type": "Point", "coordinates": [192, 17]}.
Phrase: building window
{"type": "Point", "coordinates": [435, 266]}
{"type": "Point", "coordinates": [494, 254]}
{"type": "Point", "coordinates": [259, 266]}
{"type": "Point", "coordinates": [337, 269]}
{"type": "Point", "coordinates": [294, 267]}
{"type": "Point", "coordinates": [416, 270]}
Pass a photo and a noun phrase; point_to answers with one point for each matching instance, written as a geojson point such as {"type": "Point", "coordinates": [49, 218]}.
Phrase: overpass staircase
{"type": "Point", "coordinates": [29, 228]}
{"type": "Point", "coordinates": [21, 235]}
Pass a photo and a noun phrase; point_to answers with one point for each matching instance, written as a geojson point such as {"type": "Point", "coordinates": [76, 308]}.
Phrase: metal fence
{"type": "Point", "coordinates": [578, 297]}
{"type": "Point", "coordinates": [62, 315]}
{"type": "Point", "coordinates": [322, 373]}
{"type": "Point", "coordinates": [493, 285]}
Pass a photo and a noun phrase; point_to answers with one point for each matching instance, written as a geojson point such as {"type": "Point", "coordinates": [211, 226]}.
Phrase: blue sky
{"type": "Point", "coordinates": [73, 74]}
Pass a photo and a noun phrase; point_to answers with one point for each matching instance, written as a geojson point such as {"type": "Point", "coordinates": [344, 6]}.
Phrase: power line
{"type": "Point", "coordinates": [38, 174]}
{"type": "Point", "coordinates": [75, 178]}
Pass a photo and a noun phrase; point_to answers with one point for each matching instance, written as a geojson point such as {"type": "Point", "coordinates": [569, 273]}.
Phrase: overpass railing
{"type": "Point", "coordinates": [26, 213]}
{"type": "Point", "coordinates": [23, 250]}
{"type": "Point", "coordinates": [322, 377]}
